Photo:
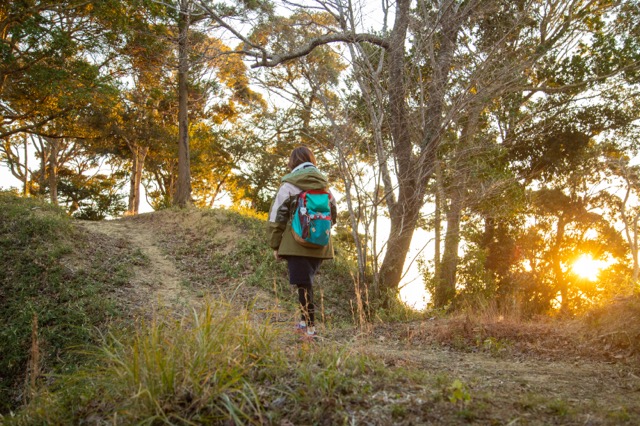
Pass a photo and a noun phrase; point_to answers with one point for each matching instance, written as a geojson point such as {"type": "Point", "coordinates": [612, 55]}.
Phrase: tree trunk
{"type": "Point", "coordinates": [166, 182]}
{"type": "Point", "coordinates": [182, 196]}
{"type": "Point", "coordinates": [557, 267]}
{"type": "Point", "coordinates": [414, 172]}
{"type": "Point", "coordinates": [216, 191]}
{"type": "Point", "coordinates": [404, 219]}
{"type": "Point", "coordinates": [25, 190]}
{"type": "Point", "coordinates": [43, 156]}
{"type": "Point", "coordinates": [139, 154]}
{"type": "Point", "coordinates": [437, 223]}
{"type": "Point", "coordinates": [632, 240]}
{"type": "Point", "coordinates": [53, 170]}
{"type": "Point", "coordinates": [634, 249]}
{"type": "Point", "coordinates": [446, 282]}
{"type": "Point", "coordinates": [488, 238]}
{"type": "Point", "coordinates": [404, 213]}
{"type": "Point", "coordinates": [371, 88]}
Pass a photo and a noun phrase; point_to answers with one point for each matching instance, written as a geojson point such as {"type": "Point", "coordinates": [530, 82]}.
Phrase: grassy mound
{"type": "Point", "coordinates": [55, 287]}
{"type": "Point", "coordinates": [224, 254]}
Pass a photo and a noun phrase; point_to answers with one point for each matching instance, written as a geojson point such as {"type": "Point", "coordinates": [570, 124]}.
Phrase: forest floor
{"type": "Point", "coordinates": [490, 372]}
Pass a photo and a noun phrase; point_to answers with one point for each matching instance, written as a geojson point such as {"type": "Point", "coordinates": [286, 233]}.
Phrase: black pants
{"type": "Point", "coordinates": [302, 271]}
{"type": "Point", "coordinates": [307, 308]}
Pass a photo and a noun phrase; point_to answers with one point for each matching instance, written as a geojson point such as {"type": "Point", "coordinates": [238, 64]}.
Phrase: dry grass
{"type": "Point", "coordinates": [610, 333]}
{"type": "Point", "coordinates": [616, 326]}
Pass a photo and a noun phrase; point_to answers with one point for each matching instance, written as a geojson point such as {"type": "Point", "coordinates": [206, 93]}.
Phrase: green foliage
{"type": "Point", "coordinates": [45, 276]}
{"type": "Point", "coordinates": [91, 197]}
{"type": "Point", "coordinates": [480, 282]}
{"type": "Point", "coordinates": [458, 392]}
{"type": "Point", "coordinates": [494, 346]}
{"type": "Point", "coordinates": [48, 80]}
{"type": "Point", "coordinates": [619, 415]}
{"type": "Point", "coordinates": [559, 408]}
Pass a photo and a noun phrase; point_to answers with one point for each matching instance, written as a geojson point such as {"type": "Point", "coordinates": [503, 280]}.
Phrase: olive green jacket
{"type": "Point", "coordinates": [281, 211]}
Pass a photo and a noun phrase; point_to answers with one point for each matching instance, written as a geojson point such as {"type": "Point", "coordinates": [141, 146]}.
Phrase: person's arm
{"type": "Point", "coordinates": [279, 213]}
{"type": "Point", "coordinates": [275, 234]}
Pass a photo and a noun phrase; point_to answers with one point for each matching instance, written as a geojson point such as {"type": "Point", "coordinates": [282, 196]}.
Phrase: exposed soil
{"type": "Point", "coordinates": [156, 282]}
{"type": "Point", "coordinates": [508, 387]}
{"type": "Point", "coordinates": [536, 375]}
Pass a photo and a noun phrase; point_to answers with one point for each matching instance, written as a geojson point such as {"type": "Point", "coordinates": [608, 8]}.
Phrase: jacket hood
{"type": "Point", "coordinates": [307, 178]}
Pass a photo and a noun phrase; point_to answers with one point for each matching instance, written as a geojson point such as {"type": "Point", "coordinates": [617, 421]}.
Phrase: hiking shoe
{"type": "Point", "coordinates": [310, 337]}
{"type": "Point", "coordinates": [300, 328]}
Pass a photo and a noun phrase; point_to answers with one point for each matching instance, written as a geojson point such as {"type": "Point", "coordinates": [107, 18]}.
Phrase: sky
{"type": "Point", "coordinates": [6, 178]}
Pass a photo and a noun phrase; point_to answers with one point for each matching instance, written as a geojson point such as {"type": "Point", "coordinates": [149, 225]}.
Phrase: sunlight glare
{"type": "Point", "coordinates": [588, 268]}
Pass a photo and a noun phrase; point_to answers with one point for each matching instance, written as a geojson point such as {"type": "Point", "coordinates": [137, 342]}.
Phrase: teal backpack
{"type": "Point", "coordinates": [311, 221]}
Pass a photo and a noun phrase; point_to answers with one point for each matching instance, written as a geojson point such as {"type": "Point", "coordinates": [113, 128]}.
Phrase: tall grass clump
{"type": "Point", "coordinates": [616, 325]}
{"type": "Point", "coordinates": [197, 369]}
{"type": "Point", "coordinates": [29, 267]}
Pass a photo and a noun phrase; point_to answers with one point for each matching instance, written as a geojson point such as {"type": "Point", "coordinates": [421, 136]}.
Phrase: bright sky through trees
{"type": "Point", "coordinates": [588, 268]}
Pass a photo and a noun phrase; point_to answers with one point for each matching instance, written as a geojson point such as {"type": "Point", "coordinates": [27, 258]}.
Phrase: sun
{"type": "Point", "coordinates": [587, 267]}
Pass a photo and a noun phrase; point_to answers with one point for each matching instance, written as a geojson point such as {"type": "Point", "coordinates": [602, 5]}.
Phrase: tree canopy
{"type": "Point", "coordinates": [508, 130]}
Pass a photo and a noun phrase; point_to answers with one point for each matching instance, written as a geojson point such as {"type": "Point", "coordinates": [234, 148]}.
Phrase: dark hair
{"type": "Point", "coordinates": [300, 155]}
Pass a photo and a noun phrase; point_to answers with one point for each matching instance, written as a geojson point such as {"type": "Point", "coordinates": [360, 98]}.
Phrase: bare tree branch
{"type": "Point", "coordinates": [581, 84]}
{"type": "Point", "coordinates": [274, 60]}
{"type": "Point", "coordinates": [213, 15]}
{"type": "Point", "coordinates": [30, 128]}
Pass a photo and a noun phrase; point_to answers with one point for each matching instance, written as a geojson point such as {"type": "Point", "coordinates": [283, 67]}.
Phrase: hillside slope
{"type": "Point", "coordinates": [431, 371]}
{"type": "Point", "coordinates": [217, 254]}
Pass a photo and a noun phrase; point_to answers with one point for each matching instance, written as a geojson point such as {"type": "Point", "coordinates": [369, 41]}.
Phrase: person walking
{"type": "Point", "coordinates": [303, 262]}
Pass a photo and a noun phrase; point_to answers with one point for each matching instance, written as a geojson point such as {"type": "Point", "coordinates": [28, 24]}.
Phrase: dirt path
{"type": "Point", "coordinates": [505, 387]}
{"type": "Point", "coordinates": [156, 282]}
{"type": "Point", "coordinates": [553, 379]}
